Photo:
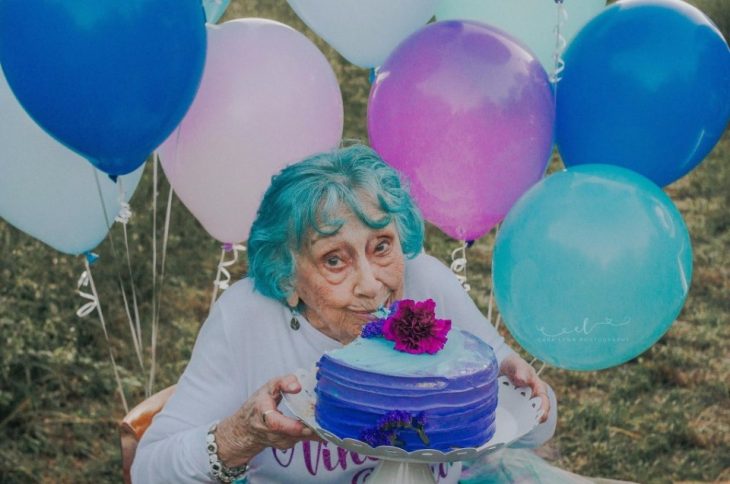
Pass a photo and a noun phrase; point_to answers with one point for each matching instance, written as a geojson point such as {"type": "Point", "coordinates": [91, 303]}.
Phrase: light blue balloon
{"type": "Point", "coordinates": [214, 9]}
{"type": "Point", "coordinates": [591, 267]}
{"type": "Point", "coordinates": [47, 190]}
{"type": "Point", "coordinates": [532, 22]}
{"type": "Point", "coordinates": [365, 32]}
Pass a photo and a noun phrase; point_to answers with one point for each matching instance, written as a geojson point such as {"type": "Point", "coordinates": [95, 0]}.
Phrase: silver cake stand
{"type": "Point", "coordinates": [517, 413]}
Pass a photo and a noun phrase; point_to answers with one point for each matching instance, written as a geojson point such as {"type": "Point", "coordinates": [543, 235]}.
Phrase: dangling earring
{"type": "Point", "coordinates": [294, 322]}
{"type": "Point", "coordinates": [293, 302]}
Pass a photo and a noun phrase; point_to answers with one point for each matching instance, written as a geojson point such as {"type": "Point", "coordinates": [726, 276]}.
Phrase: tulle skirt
{"type": "Point", "coordinates": [521, 466]}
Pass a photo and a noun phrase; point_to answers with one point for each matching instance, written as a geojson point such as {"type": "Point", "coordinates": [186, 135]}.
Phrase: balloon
{"type": "Point", "coordinates": [466, 114]}
{"type": "Point", "coordinates": [646, 86]}
{"type": "Point", "coordinates": [364, 31]}
{"type": "Point", "coordinates": [268, 98]}
{"type": "Point", "coordinates": [214, 9]}
{"type": "Point", "coordinates": [532, 22]}
{"type": "Point", "coordinates": [591, 267]}
{"type": "Point", "coordinates": [109, 79]}
{"type": "Point", "coordinates": [47, 190]}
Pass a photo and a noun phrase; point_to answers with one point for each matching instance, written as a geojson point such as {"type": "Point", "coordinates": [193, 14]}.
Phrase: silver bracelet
{"type": "Point", "coordinates": [217, 469]}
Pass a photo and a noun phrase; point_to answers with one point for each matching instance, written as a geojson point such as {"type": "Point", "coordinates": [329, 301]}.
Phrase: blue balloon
{"type": "Point", "coordinates": [214, 9]}
{"type": "Point", "coordinates": [646, 86]}
{"type": "Point", "coordinates": [591, 267]}
{"type": "Point", "coordinates": [110, 79]}
{"type": "Point", "coordinates": [50, 192]}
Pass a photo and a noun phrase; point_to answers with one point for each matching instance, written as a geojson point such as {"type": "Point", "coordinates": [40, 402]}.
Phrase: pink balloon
{"type": "Point", "coordinates": [268, 98]}
{"type": "Point", "coordinates": [466, 114]}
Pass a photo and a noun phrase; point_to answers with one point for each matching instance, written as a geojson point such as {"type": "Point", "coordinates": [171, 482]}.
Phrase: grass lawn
{"type": "Point", "coordinates": [663, 417]}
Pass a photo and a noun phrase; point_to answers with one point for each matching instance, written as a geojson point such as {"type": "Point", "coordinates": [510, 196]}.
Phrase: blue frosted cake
{"type": "Point", "coordinates": [444, 399]}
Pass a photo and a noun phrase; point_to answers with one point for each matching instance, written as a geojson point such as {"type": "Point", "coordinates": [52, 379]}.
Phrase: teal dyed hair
{"type": "Point", "coordinates": [308, 196]}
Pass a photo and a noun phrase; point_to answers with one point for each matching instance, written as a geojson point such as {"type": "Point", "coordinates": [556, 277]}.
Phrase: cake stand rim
{"type": "Point", "coordinates": [530, 407]}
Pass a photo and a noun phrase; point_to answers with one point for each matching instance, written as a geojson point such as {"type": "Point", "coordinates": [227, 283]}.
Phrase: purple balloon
{"type": "Point", "coordinates": [466, 113]}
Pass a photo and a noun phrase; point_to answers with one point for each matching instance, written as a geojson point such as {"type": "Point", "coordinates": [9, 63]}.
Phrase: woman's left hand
{"type": "Point", "coordinates": [522, 374]}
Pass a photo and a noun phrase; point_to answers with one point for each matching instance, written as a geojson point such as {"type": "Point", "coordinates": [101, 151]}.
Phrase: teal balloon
{"type": "Point", "coordinates": [532, 22]}
{"type": "Point", "coordinates": [49, 191]}
{"type": "Point", "coordinates": [591, 267]}
{"type": "Point", "coordinates": [646, 86]}
{"type": "Point", "coordinates": [214, 9]}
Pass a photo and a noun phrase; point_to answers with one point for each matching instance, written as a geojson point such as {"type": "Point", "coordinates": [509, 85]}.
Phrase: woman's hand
{"type": "Point", "coordinates": [522, 374]}
{"type": "Point", "coordinates": [258, 424]}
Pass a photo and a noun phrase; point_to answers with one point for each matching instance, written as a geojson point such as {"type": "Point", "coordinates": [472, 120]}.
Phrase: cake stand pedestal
{"type": "Point", "coordinates": [517, 413]}
{"type": "Point", "coordinates": [396, 471]}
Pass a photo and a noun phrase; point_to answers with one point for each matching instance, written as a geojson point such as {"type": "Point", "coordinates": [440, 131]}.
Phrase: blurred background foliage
{"type": "Point", "coordinates": [663, 417]}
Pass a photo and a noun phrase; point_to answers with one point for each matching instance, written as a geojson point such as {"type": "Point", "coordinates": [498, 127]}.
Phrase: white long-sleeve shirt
{"type": "Point", "coordinates": [248, 340]}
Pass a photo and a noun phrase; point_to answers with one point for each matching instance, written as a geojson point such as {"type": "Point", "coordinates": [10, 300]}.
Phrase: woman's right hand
{"type": "Point", "coordinates": [258, 425]}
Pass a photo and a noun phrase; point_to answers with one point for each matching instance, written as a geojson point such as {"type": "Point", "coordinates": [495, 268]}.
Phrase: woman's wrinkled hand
{"type": "Point", "coordinates": [522, 374]}
{"type": "Point", "coordinates": [258, 424]}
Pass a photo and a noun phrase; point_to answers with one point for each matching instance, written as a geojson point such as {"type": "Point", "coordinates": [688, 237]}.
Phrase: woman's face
{"type": "Point", "coordinates": [342, 278]}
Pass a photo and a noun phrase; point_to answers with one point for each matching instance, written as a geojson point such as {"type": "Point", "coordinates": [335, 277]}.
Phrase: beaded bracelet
{"type": "Point", "coordinates": [217, 469]}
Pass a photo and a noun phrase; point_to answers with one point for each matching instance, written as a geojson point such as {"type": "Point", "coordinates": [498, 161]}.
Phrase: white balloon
{"type": "Point", "coordinates": [532, 22]}
{"type": "Point", "coordinates": [365, 32]}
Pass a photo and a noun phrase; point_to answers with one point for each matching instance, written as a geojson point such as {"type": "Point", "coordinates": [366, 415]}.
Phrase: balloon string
{"type": "Point", "coordinates": [458, 265]}
{"type": "Point", "coordinates": [155, 326]}
{"type": "Point", "coordinates": [560, 42]}
{"type": "Point", "coordinates": [90, 306]}
{"type": "Point", "coordinates": [155, 159]}
{"type": "Point", "coordinates": [499, 320]}
{"type": "Point", "coordinates": [132, 330]}
{"type": "Point", "coordinates": [86, 279]}
{"type": "Point", "coordinates": [223, 265]}
{"type": "Point", "coordinates": [542, 367]}
{"type": "Point", "coordinates": [235, 248]}
{"type": "Point", "coordinates": [124, 214]}
{"type": "Point", "coordinates": [135, 339]}
{"type": "Point", "coordinates": [491, 289]}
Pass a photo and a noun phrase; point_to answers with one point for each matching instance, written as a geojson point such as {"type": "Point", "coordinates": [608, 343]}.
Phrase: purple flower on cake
{"type": "Point", "coordinates": [419, 420]}
{"type": "Point", "coordinates": [374, 437]}
{"type": "Point", "coordinates": [395, 419]}
{"type": "Point", "coordinates": [415, 329]}
{"type": "Point", "coordinates": [373, 330]}
{"type": "Point", "coordinates": [387, 430]}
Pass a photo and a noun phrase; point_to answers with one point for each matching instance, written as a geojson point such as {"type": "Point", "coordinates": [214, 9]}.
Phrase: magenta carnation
{"type": "Point", "coordinates": [414, 327]}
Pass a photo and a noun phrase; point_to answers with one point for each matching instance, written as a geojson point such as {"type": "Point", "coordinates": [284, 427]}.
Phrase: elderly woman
{"type": "Point", "coordinates": [337, 236]}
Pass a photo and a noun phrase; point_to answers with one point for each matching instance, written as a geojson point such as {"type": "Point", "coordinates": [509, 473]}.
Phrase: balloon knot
{"type": "Point", "coordinates": [91, 257]}
{"type": "Point", "coordinates": [125, 213]}
{"type": "Point", "coordinates": [373, 74]}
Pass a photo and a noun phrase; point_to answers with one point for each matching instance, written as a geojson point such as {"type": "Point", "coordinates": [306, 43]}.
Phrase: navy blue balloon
{"type": "Point", "coordinates": [110, 79]}
{"type": "Point", "coordinates": [646, 86]}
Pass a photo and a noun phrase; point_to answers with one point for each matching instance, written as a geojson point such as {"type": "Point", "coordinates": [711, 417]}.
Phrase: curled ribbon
{"type": "Point", "coordinates": [224, 276]}
{"type": "Point", "coordinates": [560, 43]}
{"type": "Point", "coordinates": [90, 306]}
{"type": "Point", "coordinates": [125, 213]}
{"type": "Point", "coordinates": [458, 265]}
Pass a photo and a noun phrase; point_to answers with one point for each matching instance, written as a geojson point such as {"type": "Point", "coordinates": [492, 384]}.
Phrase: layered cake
{"type": "Point", "coordinates": [410, 381]}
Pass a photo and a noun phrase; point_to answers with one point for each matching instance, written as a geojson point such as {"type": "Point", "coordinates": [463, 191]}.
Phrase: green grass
{"type": "Point", "coordinates": [663, 417]}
